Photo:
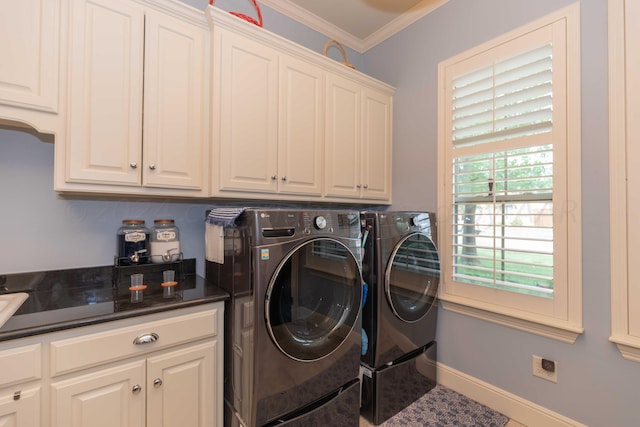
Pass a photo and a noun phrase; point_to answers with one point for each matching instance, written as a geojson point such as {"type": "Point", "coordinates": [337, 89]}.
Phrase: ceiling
{"type": "Point", "coordinates": [359, 24]}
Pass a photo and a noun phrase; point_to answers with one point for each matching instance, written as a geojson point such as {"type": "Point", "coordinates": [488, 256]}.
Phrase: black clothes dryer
{"type": "Point", "coordinates": [402, 269]}
{"type": "Point", "coordinates": [292, 324]}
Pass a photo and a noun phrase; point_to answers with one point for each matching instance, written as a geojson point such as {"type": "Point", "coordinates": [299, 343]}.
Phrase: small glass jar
{"type": "Point", "coordinates": [133, 242]}
{"type": "Point", "coordinates": [165, 241]}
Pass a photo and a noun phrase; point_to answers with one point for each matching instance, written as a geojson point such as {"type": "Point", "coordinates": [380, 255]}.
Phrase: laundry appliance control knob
{"type": "Point", "coordinates": [320, 222]}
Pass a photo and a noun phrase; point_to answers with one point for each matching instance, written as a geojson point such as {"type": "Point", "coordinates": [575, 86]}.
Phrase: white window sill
{"type": "Point", "coordinates": [629, 347]}
{"type": "Point", "coordinates": [557, 331]}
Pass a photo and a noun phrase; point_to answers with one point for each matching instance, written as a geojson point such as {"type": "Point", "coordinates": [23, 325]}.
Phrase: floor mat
{"type": "Point", "coordinates": [443, 407]}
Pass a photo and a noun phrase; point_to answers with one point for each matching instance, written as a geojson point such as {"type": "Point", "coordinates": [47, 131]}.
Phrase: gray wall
{"type": "Point", "coordinates": [42, 230]}
{"type": "Point", "coordinates": [596, 386]}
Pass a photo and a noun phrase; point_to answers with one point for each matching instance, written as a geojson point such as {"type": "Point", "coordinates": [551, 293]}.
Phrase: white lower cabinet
{"type": "Point", "coordinates": [21, 385]}
{"type": "Point", "coordinates": [111, 397]}
{"type": "Point", "coordinates": [158, 370]}
{"type": "Point", "coordinates": [180, 387]}
{"type": "Point", "coordinates": [20, 407]}
{"type": "Point", "coordinates": [172, 389]}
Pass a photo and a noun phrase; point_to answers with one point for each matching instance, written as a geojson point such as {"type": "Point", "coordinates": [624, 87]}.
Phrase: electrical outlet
{"type": "Point", "coordinates": [547, 374]}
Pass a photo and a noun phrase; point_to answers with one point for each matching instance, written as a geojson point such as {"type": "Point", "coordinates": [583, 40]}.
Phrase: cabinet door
{"type": "Point", "coordinates": [343, 127]}
{"type": "Point", "coordinates": [109, 398]}
{"type": "Point", "coordinates": [29, 48]}
{"type": "Point", "coordinates": [175, 134]}
{"type": "Point", "coordinates": [105, 83]}
{"type": "Point", "coordinates": [247, 108]}
{"type": "Point", "coordinates": [180, 388]}
{"type": "Point", "coordinates": [301, 127]}
{"type": "Point", "coordinates": [23, 411]}
{"type": "Point", "coordinates": [376, 145]}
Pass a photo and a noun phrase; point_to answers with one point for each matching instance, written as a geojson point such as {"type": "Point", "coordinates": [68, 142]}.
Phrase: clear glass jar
{"type": "Point", "coordinates": [133, 242]}
{"type": "Point", "coordinates": [165, 241]}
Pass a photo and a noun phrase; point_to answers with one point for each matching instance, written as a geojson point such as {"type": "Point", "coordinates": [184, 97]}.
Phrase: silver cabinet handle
{"type": "Point", "coordinates": [284, 178]}
{"type": "Point", "coordinates": [133, 165]}
{"type": "Point", "coordinates": [274, 177]}
{"type": "Point", "coordinates": [136, 389]}
{"type": "Point", "coordinates": [358, 186]}
{"type": "Point", "coordinates": [157, 382]}
{"type": "Point", "coordinates": [365, 186]}
{"type": "Point", "coordinates": [146, 338]}
{"type": "Point", "coordinates": [152, 166]}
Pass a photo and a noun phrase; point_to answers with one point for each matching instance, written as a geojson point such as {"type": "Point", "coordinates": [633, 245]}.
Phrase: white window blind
{"type": "Point", "coordinates": [509, 99]}
{"type": "Point", "coordinates": [503, 174]}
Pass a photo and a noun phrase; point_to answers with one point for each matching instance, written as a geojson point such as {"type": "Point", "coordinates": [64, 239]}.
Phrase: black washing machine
{"type": "Point", "coordinates": [292, 324]}
{"type": "Point", "coordinates": [402, 269]}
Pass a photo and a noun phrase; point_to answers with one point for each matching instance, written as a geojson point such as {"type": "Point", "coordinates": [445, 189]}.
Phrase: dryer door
{"type": "Point", "coordinates": [313, 299]}
{"type": "Point", "coordinates": [412, 277]}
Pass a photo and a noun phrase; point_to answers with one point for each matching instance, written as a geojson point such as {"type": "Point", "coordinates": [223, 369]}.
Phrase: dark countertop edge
{"type": "Point", "coordinates": [87, 321]}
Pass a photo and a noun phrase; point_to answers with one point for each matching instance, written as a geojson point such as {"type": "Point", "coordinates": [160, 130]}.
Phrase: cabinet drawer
{"type": "Point", "coordinates": [20, 364]}
{"type": "Point", "coordinates": [92, 349]}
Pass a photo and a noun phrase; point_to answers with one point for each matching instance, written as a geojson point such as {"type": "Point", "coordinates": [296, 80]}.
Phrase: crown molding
{"type": "Point", "coordinates": [417, 12]}
{"type": "Point", "coordinates": [295, 12]}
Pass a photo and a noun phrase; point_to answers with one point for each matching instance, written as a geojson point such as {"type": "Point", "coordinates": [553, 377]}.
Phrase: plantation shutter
{"type": "Point", "coordinates": [509, 99]}
{"type": "Point", "coordinates": [503, 174]}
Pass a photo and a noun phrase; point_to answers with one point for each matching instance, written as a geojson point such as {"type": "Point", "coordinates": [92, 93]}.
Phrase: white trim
{"type": "Point", "coordinates": [562, 318]}
{"type": "Point", "coordinates": [560, 332]}
{"type": "Point", "coordinates": [509, 404]}
{"type": "Point", "coordinates": [303, 16]}
{"type": "Point", "coordinates": [628, 345]}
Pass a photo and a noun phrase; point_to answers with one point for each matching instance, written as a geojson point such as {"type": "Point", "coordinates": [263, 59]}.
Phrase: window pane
{"type": "Point", "coordinates": [505, 245]}
{"type": "Point", "coordinates": [526, 171]}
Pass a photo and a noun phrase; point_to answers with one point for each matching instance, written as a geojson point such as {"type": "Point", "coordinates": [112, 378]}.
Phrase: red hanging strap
{"type": "Point", "coordinates": [245, 17]}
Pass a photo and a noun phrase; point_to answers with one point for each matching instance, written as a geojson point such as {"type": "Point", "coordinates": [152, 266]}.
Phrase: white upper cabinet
{"type": "Point", "coordinates": [268, 118]}
{"type": "Point", "coordinates": [291, 124]}
{"type": "Point", "coordinates": [175, 137]}
{"type": "Point", "coordinates": [105, 75]}
{"type": "Point", "coordinates": [301, 130]}
{"type": "Point", "coordinates": [138, 107]}
{"type": "Point", "coordinates": [375, 154]}
{"type": "Point", "coordinates": [343, 141]}
{"type": "Point", "coordinates": [245, 110]}
{"type": "Point", "coordinates": [358, 141]}
{"type": "Point", "coordinates": [30, 42]}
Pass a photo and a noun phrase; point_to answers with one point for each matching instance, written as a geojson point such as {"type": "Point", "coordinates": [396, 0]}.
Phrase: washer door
{"type": "Point", "coordinates": [313, 299]}
{"type": "Point", "coordinates": [412, 277]}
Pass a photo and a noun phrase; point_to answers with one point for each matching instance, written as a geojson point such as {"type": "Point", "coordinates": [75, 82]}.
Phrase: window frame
{"type": "Point", "coordinates": [563, 319]}
{"type": "Point", "coordinates": [622, 104]}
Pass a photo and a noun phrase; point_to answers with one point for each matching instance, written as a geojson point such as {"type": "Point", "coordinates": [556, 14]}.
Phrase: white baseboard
{"type": "Point", "coordinates": [515, 407]}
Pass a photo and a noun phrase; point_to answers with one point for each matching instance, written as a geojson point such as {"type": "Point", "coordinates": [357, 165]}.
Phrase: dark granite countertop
{"type": "Point", "coordinates": [65, 299]}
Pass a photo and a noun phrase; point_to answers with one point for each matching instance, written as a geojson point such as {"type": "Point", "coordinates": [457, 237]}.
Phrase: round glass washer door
{"type": "Point", "coordinates": [412, 277]}
{"type": "Point", "coordinates": [313, 299]}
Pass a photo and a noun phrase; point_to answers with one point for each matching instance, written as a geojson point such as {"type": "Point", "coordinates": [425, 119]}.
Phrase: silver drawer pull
{"type": "Point", "coordinates": [157, 382]}
{"type": "Point", "coordinates": [136, 389]}
{"type": "Point", "coordinates": [146, 338]}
